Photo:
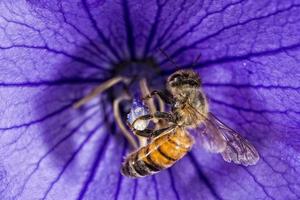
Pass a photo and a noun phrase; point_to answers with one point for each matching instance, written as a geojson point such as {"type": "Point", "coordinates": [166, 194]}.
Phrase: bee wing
{"type": "Point", "coordinates": [210, 137]}
{"type": "Point", "coordinates": [208, 134]}
{"type": "Point", "coordinates": [238, 149]}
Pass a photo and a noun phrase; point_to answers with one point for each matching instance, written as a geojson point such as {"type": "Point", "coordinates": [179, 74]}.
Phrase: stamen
{"type": "Point", "coordinates": [100, 89]}
{"type": "Point", "coordinates": [150, 104]}
{"type": "Point", "coordinates": [161, 104]}
{"type": "Point", "coordinates": [142, 141]}
{"type": "Point", "coordinates": [119, 121]}
{"type": "Point", "coordinates": [145, 91]}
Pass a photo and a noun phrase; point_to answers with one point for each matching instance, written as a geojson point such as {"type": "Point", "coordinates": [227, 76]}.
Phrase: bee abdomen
{"type": "Point", "coordinates": [162, 153]}
{"type": "Point", "coordinates": [135, 166]}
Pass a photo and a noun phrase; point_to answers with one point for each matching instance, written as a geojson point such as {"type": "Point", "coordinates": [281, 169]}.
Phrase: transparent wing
{"type": "Point", "coordinates": [210, 137]}
{"type": "Point", "coordinates": [208, 134]}
{"type": "Point", "coordinates": [238, 149]}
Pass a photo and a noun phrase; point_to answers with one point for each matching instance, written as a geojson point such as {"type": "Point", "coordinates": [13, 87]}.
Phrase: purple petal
{"type": "Point", "coordinates": [53, 52]}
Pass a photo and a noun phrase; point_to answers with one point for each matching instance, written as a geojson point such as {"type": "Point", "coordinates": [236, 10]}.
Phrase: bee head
{"type": "Point", "coordinates": [183, 79]}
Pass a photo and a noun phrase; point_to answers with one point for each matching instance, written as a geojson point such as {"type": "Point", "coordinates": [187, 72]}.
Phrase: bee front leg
{"type": "Point", "coordinates": [163, 95]}
{"type": "Point", "coordinates": [157, 115]}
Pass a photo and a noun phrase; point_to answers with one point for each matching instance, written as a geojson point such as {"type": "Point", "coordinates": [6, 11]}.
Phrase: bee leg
{"type": "Point", "coordinates": [144, 133]}
{"type": "Point", "coordinates": [153, 133]}
{"type": "Point", "coordinates": [150, 133]}
{"type": "Point", "coordinates": [162, 130]}
{"type": "Point", "coordinates": [164, 115]}
{"type": "Point", "coordinates": [101, 88]}
{"type": "Point", "coordinates": [163, 95]}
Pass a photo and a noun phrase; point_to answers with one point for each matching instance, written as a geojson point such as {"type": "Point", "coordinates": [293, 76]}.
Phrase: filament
{"type": "Point", "coordinates": [117, 115]}
{"type": "Point", "coordinates": [145, 91]}
{"type": "Point", "coordinates": [100, 89]}
{"type": "Point", "coordinates": [150, 104]}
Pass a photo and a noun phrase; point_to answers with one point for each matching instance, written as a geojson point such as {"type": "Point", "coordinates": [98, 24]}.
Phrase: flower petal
{"type": "Point", "coordinates": [53, 52]}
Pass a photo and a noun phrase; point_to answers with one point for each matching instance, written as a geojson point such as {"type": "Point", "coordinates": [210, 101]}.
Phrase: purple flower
{"type": "Point", "coordinates": [52, 53]}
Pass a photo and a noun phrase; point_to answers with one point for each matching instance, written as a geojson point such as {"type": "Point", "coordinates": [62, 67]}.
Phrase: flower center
{"type": "Point", "coordinates": [136, 70]}
{"type": "Point", "coordinates": [129, 81]}
{"type": "Point", "coordinates": [138, 75]}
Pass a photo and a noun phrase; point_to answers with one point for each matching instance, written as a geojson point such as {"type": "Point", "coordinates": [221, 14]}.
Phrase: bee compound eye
{"type": "Point", "coordinates": [174, 77]}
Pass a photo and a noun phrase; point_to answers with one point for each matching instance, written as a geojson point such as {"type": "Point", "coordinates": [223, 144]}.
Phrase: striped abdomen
{"type": "Point", "coordinates": [162, 153]}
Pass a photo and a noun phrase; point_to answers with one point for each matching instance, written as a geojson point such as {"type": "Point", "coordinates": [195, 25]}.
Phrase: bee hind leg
{"type": "Point", "coordinates": [162, 131]}
{"type": "Point", "coordinates": [144, 133]}
{"type": "Point", "coordinates": [153, 133]}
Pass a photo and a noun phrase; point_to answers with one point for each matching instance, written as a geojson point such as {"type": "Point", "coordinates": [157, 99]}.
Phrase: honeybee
{"type": "Point", "coordinates": [189, 111]}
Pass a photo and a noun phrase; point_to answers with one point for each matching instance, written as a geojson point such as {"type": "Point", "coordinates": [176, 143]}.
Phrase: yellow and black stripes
{"type": "Point", "coordinates": [162, 153]}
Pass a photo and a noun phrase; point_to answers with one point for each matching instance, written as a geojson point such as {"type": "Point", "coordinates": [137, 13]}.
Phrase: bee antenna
{"type": "Point", "coordinates": [196, 60]}
{"type": "Point", "coordinates": [168, 57]}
